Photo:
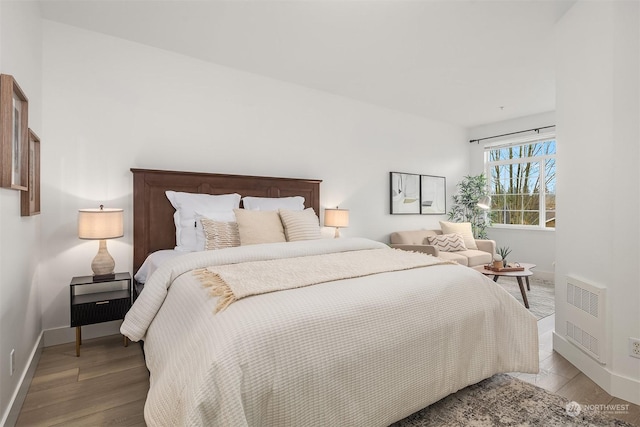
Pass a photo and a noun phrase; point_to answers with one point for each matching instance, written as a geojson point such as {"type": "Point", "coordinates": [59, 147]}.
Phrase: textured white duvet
{"type": "Point", "coordinates": [358, 352]}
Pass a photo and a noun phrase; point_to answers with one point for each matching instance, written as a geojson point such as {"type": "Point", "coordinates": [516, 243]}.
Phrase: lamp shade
{"type": "Point", "coordinates": [336, 217]}
{"type": "Point", "coordinates": [98, 224]}
{"type": "Point", "coordinates": [484, 202]}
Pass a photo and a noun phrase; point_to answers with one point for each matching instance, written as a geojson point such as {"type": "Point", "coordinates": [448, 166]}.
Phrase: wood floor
{"type": "Point", "coordinates": [108, 384]}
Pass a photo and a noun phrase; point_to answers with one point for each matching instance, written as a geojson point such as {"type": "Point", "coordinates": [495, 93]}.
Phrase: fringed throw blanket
{"type": "Point", "coordinates": [235, 281]}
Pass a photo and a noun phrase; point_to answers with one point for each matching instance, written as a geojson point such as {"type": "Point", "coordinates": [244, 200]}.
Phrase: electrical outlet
{"type": "Point", "coordinates": [634, 347]}
{"type": "Point", "coordinates": [12, 362]}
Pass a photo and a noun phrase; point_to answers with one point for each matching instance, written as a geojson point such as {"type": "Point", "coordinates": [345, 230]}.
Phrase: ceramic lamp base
{"type": "Point", "coordinates": [103, 264]}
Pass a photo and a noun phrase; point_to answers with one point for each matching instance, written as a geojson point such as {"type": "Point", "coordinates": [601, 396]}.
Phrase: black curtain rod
{"type": "Point", "coordinates": [512, 133]}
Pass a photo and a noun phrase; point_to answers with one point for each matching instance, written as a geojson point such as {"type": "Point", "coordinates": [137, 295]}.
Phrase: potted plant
{"type": "Point", "coordinates": [503, 251]}
{"type": "Point", "coordinates": [466, 208]}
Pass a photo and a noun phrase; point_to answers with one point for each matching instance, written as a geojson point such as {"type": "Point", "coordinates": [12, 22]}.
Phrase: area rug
{"type": "Point", "coordinates": [503, 400]}
{"type": "Point", "coordinates": [541, 296]}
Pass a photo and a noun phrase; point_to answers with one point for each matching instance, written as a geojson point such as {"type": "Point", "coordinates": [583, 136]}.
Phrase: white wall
{"type": "Point", "coordinates": [20, 319]}
{"type": "Point", "coordinates": [598, 188]}
{"type": "Point", "coordinates": [111, 105]}
{"type": "Point", "coordinates": [533, 246]}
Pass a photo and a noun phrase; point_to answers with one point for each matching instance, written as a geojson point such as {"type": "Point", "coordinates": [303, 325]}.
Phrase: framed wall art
{"type": "Point", "coordinates": [30, 199]}
{"type": "Point", "coordinates": [14, 153]}
{"type": "Point", "coordinates": [405, 193]}
{"type": "Point", "coordinates": [433, 195]}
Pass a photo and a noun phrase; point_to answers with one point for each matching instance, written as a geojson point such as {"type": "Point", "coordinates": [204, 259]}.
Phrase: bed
{"type": "Point", "coordinates": [363, 349]}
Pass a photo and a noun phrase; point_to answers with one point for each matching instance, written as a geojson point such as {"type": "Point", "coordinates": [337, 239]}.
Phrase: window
{"type": "Point", "coordinates": [522, 182]}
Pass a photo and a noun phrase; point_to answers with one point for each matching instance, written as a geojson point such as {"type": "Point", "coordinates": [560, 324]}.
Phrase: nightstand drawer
{"type": "Point", "coordinates": [99, 311]}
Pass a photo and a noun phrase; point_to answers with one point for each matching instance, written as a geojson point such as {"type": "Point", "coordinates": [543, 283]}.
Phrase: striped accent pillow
{"type": "Point", "coordinates": [219, 234]}
{"type": "Point", "coordinates": [448, 242]}
{"type": "Point", "coordinates": [300, 225]}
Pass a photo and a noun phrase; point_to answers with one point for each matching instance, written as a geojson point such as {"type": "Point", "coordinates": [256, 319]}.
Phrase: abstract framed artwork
{"type": "Point", "coordinates": [14, 154]}
{"type": "Point", "coordinates": [30, 199]}
{"type": "Point", "coordinates": [405, 193]}
{"type": "Point", "coordinates": [433, 195]}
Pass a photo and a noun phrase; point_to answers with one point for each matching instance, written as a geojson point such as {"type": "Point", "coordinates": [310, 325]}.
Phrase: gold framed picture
{"type": "Point", "coordinates": [30, 199]}
{"type": "Point", "coordinates": [14, 153]}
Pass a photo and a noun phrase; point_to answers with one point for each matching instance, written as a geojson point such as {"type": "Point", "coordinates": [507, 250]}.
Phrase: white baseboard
{"type": "Point", "coordinates": [66, 334]}
{"type": "Point", "coordinates": [625, 388]}
{"type": "Point", "coordinates": [616, 385]}
{"type": "Point", "coordinates": [11, 416]}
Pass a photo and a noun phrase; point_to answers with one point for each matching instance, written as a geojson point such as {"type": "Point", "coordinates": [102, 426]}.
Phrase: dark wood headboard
{"type": "Point", "coordinates": [153, 226]}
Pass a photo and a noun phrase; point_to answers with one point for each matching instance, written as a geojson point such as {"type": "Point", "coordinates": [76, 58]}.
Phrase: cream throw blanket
{"type": "Point", "coordinates": [235, 281]}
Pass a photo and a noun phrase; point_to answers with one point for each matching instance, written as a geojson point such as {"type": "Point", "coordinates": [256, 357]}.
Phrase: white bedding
{"type": "Point", "coordinates": [153, 261]}
{"type": "Point", "coordinates": [365, 351]}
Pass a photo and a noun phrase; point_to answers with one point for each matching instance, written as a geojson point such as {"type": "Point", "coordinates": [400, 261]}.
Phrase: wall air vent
{"type": "Point", "coordinates": [586, 318]}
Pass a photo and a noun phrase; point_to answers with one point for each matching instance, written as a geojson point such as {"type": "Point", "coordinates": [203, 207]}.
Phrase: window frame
{"type": "Point", "coordinates": [540, 159]}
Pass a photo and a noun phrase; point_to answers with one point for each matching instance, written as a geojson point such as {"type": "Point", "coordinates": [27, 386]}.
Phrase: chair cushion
{"type": "Point", "coordinates": [454, 256]}
{"type": "Point", "coordinates": [475, 257]}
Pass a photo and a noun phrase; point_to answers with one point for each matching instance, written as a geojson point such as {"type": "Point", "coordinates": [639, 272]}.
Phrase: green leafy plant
{"type": "Point", "coordinates": [503, 251]}
{"type": "Point", "coordinates": [466, 209]}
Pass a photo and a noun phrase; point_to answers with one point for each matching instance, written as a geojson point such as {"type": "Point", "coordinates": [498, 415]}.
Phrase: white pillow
{"type": "Point", "coordinates": [295, 203]}
{"type": "Point", "coordinates": [186, 205]}
{"type": "Point", "coordinates": [463, 228]}
{"type": "Point", "coordinates": [259, 227]}
{"type": "Point", "coordinates": [300, 225]}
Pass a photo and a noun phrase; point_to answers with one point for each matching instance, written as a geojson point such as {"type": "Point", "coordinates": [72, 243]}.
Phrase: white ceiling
{"type": "Point", "coordinates": [467, 62]}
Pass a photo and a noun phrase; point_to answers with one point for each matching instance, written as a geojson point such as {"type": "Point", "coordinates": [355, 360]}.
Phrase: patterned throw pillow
{"type": "Point", "coordinates": [300, 225]}
{"type": "Point", "coordinates": [462, 228]}
{"type": "Point", "coordinates": [448, 242]}
{"type": "Point", "coordinates": [220, 234]}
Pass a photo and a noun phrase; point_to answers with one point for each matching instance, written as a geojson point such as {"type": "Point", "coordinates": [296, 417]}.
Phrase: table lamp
{"type": "Point", "coordinates": [101, 224]}
{"type": "Point", "coordinates": [336, 218]}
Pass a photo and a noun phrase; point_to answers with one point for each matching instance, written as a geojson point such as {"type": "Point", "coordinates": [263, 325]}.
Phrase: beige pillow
{"type": "Point", "coordinates": [463, 228]}
{"type": "Point", "coordinates": [300, 225]}
{"type": "Point", "coordinates": [447, 242]}
{"type": "Point", "coordinates": [219, 234]}
{"type": "Point", "coordinates": [259, 227]}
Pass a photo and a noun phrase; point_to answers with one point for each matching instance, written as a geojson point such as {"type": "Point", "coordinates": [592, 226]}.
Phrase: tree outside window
{"type": "Point", "coordinates": [522, 183]}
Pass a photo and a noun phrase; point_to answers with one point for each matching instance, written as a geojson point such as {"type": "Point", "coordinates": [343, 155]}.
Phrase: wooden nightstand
{"type": "Point", "coordinates": [99, 300]}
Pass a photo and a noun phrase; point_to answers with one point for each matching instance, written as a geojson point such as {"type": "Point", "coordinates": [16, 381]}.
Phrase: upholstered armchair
{"type": "Point", "coordinates": [433, 242]}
